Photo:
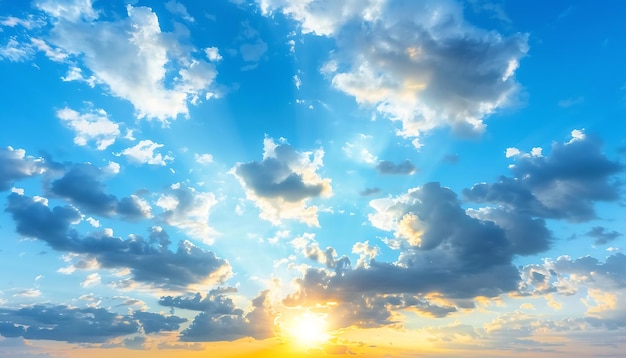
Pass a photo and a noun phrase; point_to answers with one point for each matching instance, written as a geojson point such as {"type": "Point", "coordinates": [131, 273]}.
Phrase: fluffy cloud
{"type": "Point", "coordinates": [448, 257]}
{"type": "Point", "coordinates": [224, 325]}
{"type": "Point", "coordinates": [564, 185]}
{"type": "Point", "coordinates": [144, 153]}
{"type": "Point", "coordinates": [82, 186]}
{"type": "Point", "coordinates": [93, 126]}
{"type": "Point", "coordinates": [416, 62]}
{"type": "Point", "coordinates": [15, 165]}
{"type": "Point", "coordinates": [63, 323]}
{"type": "Point", "coordinates": [188, 209]}
{"type": "Point", "coordinates": [283, 181]}
{"type": "Point", "coordinates": [80, 325]}
{"type": "Point", "coordinates": [149, 261]}
{"type": "Point", "coordinates": [132, 58]}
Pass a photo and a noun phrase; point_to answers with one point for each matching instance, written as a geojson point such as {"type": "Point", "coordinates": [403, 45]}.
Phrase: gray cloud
{"type": "Point", "coordinates": [283, 181]}
{"type": "Point", "coordinates": [403, 168]}
{"type": "Point", "coordinates": [156, 322]}
{"type": "Point", "coordinates": [369, 191]}
{"type": "Point", "coordinates": [149, 263]}
{"type": "Point", "coordinates": [214, 303]}
{"type": "Point", "coordinates": [563, 185]}
{"type": "Point", "coordinates": [218, 326]}
{"type": "Point", "coordinates": [82, 186]}
{"type": "Point", "coordinates": [15, 165]}
{"type": "Point", "coordinates": [63, 323]}
{"type": "Point", "coordinates": [444, 249]}
{"type": "Point", "coordinates": [602, 235]}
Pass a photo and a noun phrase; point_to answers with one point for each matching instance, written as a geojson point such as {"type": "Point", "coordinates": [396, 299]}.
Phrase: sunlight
{"type": "Point", "coordinates": [309, 330]}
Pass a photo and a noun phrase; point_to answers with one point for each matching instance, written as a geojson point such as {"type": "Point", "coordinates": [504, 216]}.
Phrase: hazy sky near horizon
{"type": "Point", "coordinates": [321, 177]}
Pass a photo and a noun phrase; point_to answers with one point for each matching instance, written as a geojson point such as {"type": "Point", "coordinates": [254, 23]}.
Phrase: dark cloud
{"type": "Point", "coordinates": [15, 165]}
{"type": "Point", "coordinates": [564, 185]}
{"type": "Point", "coordinates": [214, 303]}
{"type": "Point", "coordinates": [274, 176]}
{"type": "Point", "coordinates": [82, 186]}
{"type": "Point", "coordinates": [283, 182]}
{"type": "Point", "coordinates": [602, 235]}
{"type": "Point", "coordinates": [403, 168]}
{"type": "Point", "coordinates": [369, 191]}
{"type": "Point", "coordinates": [155, 322]}
{"type": "Point", "coordinates": [212, 326]}
{"type": "Point", "coordinates": [150, 261]}
{"type": "Point", "coordinates": [444, 250]}
{"type": "Point", "coordinates": [63, 323]}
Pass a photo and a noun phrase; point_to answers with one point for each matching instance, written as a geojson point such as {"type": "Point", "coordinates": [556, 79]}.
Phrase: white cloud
{"type": "Point", "coordinates": [213, 54]}
{"type": "Point", "coordinates": [92, 126]}
{"type": "Point", "coordinates": [511, 152]}
{"type": "Point", "coordinates": [282, 183]}
{"type": "Point", "coordinates": [132, 57]}
{"type": "Point", "coordinates": [203, 159]}
{"type": "Point", "coordinates": [92, 279]}
{"type": "Point", "coordinates": [179, 9]}
{"type": "Point", "coordinates": [419, 63]}
{"type": "Point", "coordinates": [144, 153]}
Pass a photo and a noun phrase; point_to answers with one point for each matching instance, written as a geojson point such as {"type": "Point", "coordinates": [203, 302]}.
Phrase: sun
{"type": "Point", "coordinates": [309, 330]}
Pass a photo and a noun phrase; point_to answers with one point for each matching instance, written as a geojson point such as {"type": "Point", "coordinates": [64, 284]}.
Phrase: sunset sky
{"type": "Point", "coordinates": [267, 178]}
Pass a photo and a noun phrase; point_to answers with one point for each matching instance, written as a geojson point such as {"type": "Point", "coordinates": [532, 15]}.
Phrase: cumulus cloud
{"type": "Point", "coordinates": [210, 326]}
{"type": "Point", "coordinates": [444, 250]}
{"type": "Point", "coordinates": [283, 181]}
{"type": "Point", "coordinates": [601, 235]}
{"type": "Point", "coordinates": [82, 185]}
{"type": "Point", "coordinates": [80, 325]}
{"type": "Point", "coordinates": [133, 57]}
{"type": "Point", "coordinates": [403, 168]}
{"type": "Point", "coordinates": [420, 63]}
{"type": "Point", "coordinates": [63, 323]}
{"type": "Point", "coordinates": [15, 165]}
{"type": "Point", "coordinates": [564, 185]}
{"type": "Point", "coordinates": [188, 209]}
{"type": "Point", "coordinates": [149, 261]}
{"type": "Point", "coordinates": [144, 153]}
{"type": "Point", "coordinates": [91, 126]}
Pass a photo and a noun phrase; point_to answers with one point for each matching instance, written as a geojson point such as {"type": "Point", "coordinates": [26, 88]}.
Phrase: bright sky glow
{"type": "Point", "coordinates": [267, 178]}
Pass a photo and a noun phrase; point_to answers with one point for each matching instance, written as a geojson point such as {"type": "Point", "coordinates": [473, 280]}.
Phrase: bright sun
{"type": "Point", "coordinates": [309, 329]}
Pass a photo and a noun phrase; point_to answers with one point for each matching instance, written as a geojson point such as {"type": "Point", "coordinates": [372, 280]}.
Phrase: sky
{"type": "Point", "coordinates": [267, 178]}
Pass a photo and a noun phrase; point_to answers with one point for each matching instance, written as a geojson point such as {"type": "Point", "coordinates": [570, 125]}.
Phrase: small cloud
{"type": "Point", "coordinates": [213, 54]}
{"type": "Point", "coordinates": [92, 280]}
{"type": "Point", "coordinates": [203, 159]}
{"type": "Point", "coordinates": [570, 102]}
{"type": "Point", "coordinates": [451, 158]}
{"type": "Point", "coordinates": [602, 235]}
{"type": "Point", "coordinates": [144, 153]}
{"type": "Point", "coordinates": [179, 9]}
{"type": "Point", "coordinates": [369, 191]}
{"type": "Point", "coordinates": [403, 168]}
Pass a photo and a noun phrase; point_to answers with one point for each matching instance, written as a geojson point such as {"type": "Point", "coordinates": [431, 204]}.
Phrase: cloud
{"type": "Point", "coordinates": [444, 250]}
{"type": "Point", "coordinates": [179, 9]}
{"type": "Point", "coordinates": [602, 236]}
{"type": "Point", "coordinates": [369, 191]}
{"type": "Point", "coordinates": [144, 153]}
{"type": "Point", "coordinates": [214, 303]}
{"type": "Point", "coordinates": [203, 159]}
{"type": "Point", "coordinates": [15, 165]}
{"type": "Point", "coordinates": [133, 57]}
{"type": "Point", "coordinates": [228, 326]}
{"type": "Point", "coordinates": [63, 323]}
{"type": "Point", "coordinates": [92, 126]}
{"type": "Point", "coordinates": [149, 261]}
{"type": "Point", "coordinates": [563, 185]}
{"type": "Point", "coordinates": [82, 186]}
{"type": "Point", "coordinates": [156, 322]}
{"type": "Point", "coordinates": [403, 168]}
{"type": "Point", "coordinates": [188, 209]}
{"type": "Point", "coordinates": [283, 181]}
{"type": "Point", "coordinates": [419, 63]}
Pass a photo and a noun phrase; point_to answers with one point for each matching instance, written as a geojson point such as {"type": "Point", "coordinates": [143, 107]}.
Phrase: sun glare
{"type": "Point", "coordinates": [309, 330]}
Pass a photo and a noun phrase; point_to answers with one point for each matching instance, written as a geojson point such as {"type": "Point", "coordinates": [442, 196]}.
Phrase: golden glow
{"type": "Point", "coordinates": [309, 330]}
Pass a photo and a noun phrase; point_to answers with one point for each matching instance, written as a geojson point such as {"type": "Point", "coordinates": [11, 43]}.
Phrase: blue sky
{"type": "Point", "coordinates": [398, 177]}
